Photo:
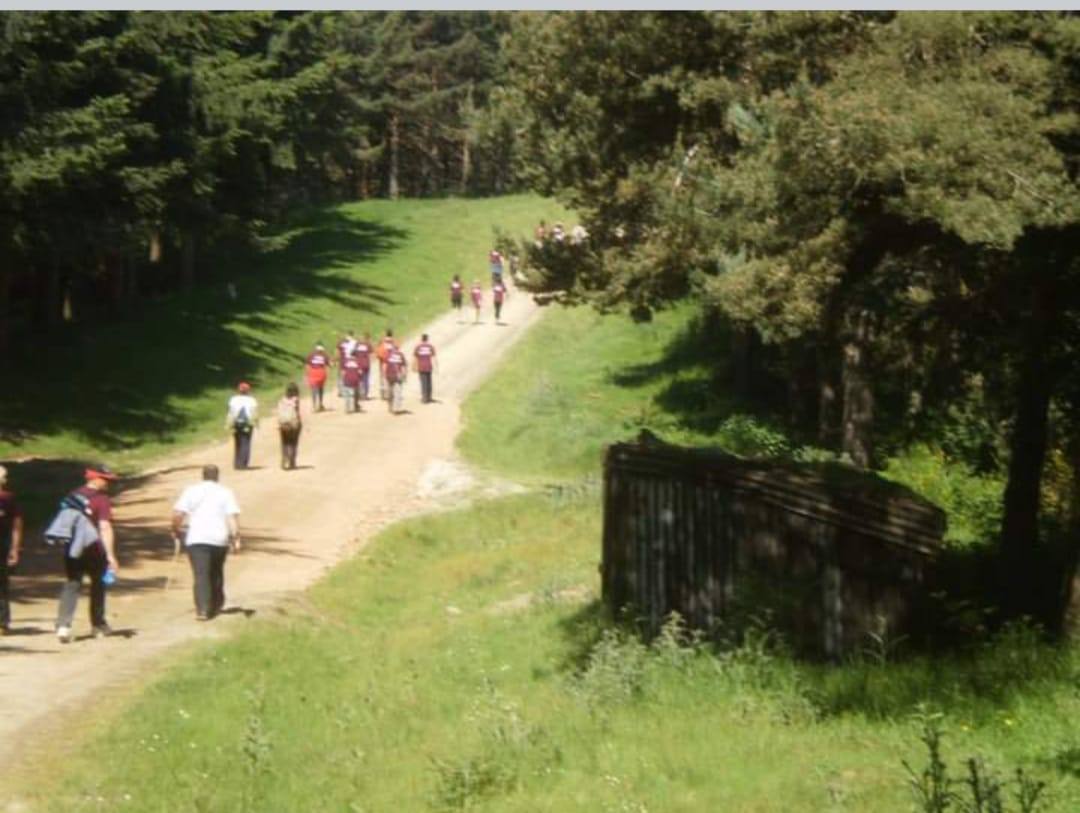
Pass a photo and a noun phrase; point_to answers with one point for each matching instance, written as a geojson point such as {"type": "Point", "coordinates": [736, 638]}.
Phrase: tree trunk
{"type": "Point", "coordinates": [55, 295]}
{"type": "Point", "coordinates": [187, 259]}
{"type": "Point", "coordinates": [5, 305]}
{"type": "Point", "coordinates": [466, 145]}
{"type": "Point", "coordinates": [742, 362]}
{"type": "Point", "coordinates": [1027, 453]}
{"type": "Point", "coordinates": [67, 306]}
{"type": "Point", "coordinates": [827, 349]}
{"type": "Point", "coordinates": [130, 268]}
{"type": "Point", "coordinates": [155, 248]}
{"type": "Point", "coordinates": [858, 420]}
{"type": "Point", "coordinates": [114, 268]}
{"type": "Point", "coordinates": [466, 164]}
{"type": "Point", "coordinates": [393, 189]}
{"type": "Point", "coordinates": [1071, 577]}
{"type": "Point", "coordinates": [827, 391]}
{"type": "Point", "coordinates": [802, 383]}
{"type": "Point", "coordinates": [362, 181]}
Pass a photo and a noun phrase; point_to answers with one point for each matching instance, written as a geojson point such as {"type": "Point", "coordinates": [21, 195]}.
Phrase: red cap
{"type": "Point", "coordinates": [243, 386]}
{"type": "Point", "coordinates": [100, 473]}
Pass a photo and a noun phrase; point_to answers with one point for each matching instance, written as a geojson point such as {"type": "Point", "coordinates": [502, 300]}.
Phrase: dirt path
{"type": "Point", "coordinates": [357, 474]}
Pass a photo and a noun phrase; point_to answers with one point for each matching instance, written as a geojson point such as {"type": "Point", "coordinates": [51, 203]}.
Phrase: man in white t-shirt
{"type": "Point", "coordinates": [209, 510]}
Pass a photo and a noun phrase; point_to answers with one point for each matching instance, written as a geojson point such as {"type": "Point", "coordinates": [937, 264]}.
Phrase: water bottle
{"type": "Point", "coordinates": [109, 579]}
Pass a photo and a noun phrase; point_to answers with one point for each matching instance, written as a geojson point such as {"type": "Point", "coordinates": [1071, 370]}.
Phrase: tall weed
{"type": "Point", "coordinates": [982, 790]}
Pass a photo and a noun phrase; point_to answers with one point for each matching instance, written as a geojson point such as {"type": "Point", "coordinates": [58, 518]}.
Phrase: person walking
{"type": "Point", "coordinates": [350, 383]}
{"type": "Point", "coordinates": [498, 295]}
{"type": "Point", "coordinates": [396, 372]}
{"type": "Point", "coordinates": [457, 291]}
{"type": "Point", "coordinates": [210, 512]}
{"type": "Point", "coordinates": [318, 362]}
{"type": "Point", "coordinates": [11, 536]}
{"type": "Point", "coordinates": [362, 353]}
{"type": "Point", "coordinates": [289, 425]}
{"type": "Point", "coordinates": [381, 352]}
{"type": "Point", "coordinates": [345, 349]}
{"type": "Point", "coordinates": [477, 294]}
{"type": "Point", "coordinates": [495, 262]}
{"type": "Point", "coordinates": [240, 419]}
{"type": "Point", "coordinates": [91, 554]}
{"type": "Point", "coordinates": [426, 363]}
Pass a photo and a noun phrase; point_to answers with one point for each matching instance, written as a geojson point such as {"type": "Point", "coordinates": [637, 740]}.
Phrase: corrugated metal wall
{"type": "Point", "coordinates": [715, 539]}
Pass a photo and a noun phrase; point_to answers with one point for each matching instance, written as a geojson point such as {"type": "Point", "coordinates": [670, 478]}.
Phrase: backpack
{"type": "Point", "coordinates": [61, 530]}
{"type": "Point", "coordinates": [242, 421]}
{"type": "Point", "coordinates": [288, 416]}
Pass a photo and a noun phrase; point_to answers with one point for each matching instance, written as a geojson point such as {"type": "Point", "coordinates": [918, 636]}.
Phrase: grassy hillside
{"type": "Point", "coordinates": [583, 381]}
{"type": "Point", "coordinates": [129, 389]}
{"type": "Point", "coordinates": [463, 661]}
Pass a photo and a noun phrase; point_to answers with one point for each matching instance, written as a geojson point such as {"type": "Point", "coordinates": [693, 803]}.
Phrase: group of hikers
{"type": "Point", "coordinates": [205, 516]}
{"type": "Point", "coordinates": [355, 360]}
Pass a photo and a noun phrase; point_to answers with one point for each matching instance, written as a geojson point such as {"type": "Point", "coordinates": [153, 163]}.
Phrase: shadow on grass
{"type": "Point", "coordinates": [582, 630]}
{"type": "Point", "coordinates": [113, 381]}
{"type": "Point", "coordinates": [696, 365]}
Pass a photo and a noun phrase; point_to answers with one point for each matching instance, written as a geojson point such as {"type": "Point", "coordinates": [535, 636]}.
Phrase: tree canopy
{"type": "Point", "coordinates": [886, 204]}
{"type": "Point", "coordinates": [132, 142]}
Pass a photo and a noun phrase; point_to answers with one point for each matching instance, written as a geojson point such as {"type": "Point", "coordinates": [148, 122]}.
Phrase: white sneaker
{"type": "Point", "coordinates": [63, 634]}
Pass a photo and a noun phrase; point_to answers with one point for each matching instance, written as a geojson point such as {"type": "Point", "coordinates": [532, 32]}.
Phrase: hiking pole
{"type": "Point", "coordinates": [172, 566]}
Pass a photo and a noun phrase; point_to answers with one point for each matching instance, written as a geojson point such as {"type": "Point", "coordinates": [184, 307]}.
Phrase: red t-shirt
{"type": "Point", "coordinates": [350, 372]}
{"type": "Point", "coordinates": [9, 512]}
{"type": "Point", "coordinates": [424, 353]}
{"type": "Point", "coordinates": [455, 289]}
{"type": "Point", "coordinates": [395, 365]}
{"type": "Point", "coordinates": [100, 507]}
{"type": "Point", "coordinates": [318, 359]}
{"type": "Point", "coordinates": [362, 354]}
{"type": "Point", "coordinates": [477, 294]}
{"type": "Point", "coordinates": [498, 291]}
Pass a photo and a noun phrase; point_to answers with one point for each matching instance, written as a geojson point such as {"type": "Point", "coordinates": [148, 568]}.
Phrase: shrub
{"type": "Point", "coordinates": [971, 501]}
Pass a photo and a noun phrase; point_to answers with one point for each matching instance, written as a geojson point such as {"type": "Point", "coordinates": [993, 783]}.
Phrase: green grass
{"type": "Point", "coordinates": [463, 662]}
{"type": "Point", "coordinates": [417, 677]}
{"type": "Point", "coordinates": [582, 381]}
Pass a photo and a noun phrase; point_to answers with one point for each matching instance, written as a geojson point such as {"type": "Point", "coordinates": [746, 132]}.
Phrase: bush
{"type": "Point", "coordinates": [971, 501]}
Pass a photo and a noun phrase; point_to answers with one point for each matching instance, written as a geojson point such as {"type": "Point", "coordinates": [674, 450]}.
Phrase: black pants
{"type": "Point", "coordinates": [208, 568]}
{"type": "Point", "coordinates": [425, 387]}
{"type": "Point", "coordinates": [241, 449]}
{"type": "Point", "coordinates": [92, 563]}
{"type": "Point", "coordinates": [317, 396]}
{"type": "Point", "coordinates": [290, 443]}
{"type": "Point", "coordinates": [5, 604]}
{"type": "Point", "coordinates": [498, 310]}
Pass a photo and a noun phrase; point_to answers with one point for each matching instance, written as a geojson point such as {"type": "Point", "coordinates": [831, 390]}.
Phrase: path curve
{"type": "Point", "coordinates": [357, 474]}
